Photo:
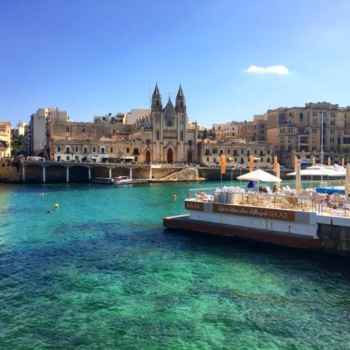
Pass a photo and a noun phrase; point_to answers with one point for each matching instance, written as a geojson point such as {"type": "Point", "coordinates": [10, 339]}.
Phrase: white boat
{"type": "Point", "coordinates": [122, 180]}
{"type": "Point", "coordinates": [303, 219]}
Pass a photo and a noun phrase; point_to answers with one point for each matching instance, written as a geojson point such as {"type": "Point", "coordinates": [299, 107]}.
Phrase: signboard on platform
{"type": "Point", "coordinates": [191, 205]}
{"type": "Point", "coordinates": [263, 213]}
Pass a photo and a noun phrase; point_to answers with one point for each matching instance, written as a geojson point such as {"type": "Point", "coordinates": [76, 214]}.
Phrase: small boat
{"type": "Point", "coordinates": [122, 180]}
{"type": "Point", "coordinates": [102, 180]}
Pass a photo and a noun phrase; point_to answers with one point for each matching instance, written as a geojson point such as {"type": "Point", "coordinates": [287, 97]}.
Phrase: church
{"type": "Point", "coordinates": [163, 135]}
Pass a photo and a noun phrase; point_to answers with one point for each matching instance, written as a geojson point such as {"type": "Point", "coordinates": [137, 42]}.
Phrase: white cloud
{"type": "Point", "coordinates": [280, 70]}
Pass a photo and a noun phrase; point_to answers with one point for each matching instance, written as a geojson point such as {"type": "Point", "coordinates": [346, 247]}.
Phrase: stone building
{"type": "Point", "coordinates": [162, 135]}
{"type": "Point", "coordinates": [226, 132]}
{"type": "Point", "coordinates": [236, 153]}
{"type": "Point", "coordinates": [255, 130]}
{"type": "Point", "coordinates": [5, 139]}
{"type": "Point", "coordinates": [36, 132]}
{"type": "Point", "coordinates": [318, 130]}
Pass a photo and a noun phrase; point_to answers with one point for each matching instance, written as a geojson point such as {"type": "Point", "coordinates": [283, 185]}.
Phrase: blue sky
{"type": "Point", "coordinates": [233, 58]}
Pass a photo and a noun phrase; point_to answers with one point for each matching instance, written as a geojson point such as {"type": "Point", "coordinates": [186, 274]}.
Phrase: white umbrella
{"type": "Point", "coordinates": [259, 175]}
{"type": "Point", "coordinates": [318, 172]}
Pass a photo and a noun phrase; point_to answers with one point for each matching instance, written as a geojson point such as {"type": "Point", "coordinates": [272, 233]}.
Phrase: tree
{"type": "Point", "coordinates": [17, 144]}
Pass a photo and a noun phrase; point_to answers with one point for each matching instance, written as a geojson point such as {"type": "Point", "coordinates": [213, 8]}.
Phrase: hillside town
{"type": "Point", "coordinates": [165, 134]}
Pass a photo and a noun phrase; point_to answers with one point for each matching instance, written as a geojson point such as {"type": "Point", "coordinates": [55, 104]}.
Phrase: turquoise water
{"type": "Point", "coordinates": [100, 272]}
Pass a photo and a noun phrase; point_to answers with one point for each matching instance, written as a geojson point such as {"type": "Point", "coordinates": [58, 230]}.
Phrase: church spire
{"type": "Point", "coordinates": [180, 105]}
{"type": "Point", "coordinates": [156, 100]}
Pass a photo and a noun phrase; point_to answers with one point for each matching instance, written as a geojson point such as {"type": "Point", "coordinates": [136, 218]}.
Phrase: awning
{"type": "Point", "coordinates": [230, 159]}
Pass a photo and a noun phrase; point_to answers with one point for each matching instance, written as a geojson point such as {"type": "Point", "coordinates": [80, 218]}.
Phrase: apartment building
{"type": "Point", "coordinates": [236, 153]}
{"type": "Point", "coordinates": [319, 130]}
{"type": "Point", "coordinates": [37, 128]}
{"type": "Point", "coordinates": [5, 139]}
{"type": "Point", "coordinates": [255, 130]}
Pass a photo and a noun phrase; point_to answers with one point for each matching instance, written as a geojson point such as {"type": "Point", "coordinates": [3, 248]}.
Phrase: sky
{"type": "Point", "coordinates": [234, 59]}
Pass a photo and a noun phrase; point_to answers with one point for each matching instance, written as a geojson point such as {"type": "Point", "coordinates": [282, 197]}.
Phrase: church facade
{"type": "Point", "coordinates": [163, 135]}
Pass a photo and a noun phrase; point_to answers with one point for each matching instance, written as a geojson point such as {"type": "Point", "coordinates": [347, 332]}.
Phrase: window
{"type": "Point", "coordinates": [181, 135]}
{"type": "Point", "coordinates": [85, 150]}
{"type": "Point", "coordinates": [103, 150]}
{"type": "Point", "coordinates": [127, 150]}
{"type": "Point", "coordinates": [83, 130]}
{"type": "Point", "coordinates": [58, 148]}
{"type": "Point", "coordinates": [67, 150]}
{"type": "Point", "coordinates": [111, 149]}
{"type": "Point", "coordinates": [67, 128]}
{"type": "Point", "coordinates": [76, 149]}
{"type": "Point", "coordinates": [158, 135]}
{"type": "Point", "coordinates": [94, 149]}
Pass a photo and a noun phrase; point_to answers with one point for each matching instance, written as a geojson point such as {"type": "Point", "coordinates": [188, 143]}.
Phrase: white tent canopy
{"type": "Point", "coordinates": [259, 175]}
{"type": "Point", "coordinates": [321, 170]}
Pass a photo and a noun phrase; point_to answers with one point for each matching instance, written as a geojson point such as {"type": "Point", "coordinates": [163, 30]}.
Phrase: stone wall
{"type": "Point", "coordinates": [10, 172]}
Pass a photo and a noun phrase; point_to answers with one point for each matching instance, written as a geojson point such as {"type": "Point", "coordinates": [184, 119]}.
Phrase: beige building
{"type": "Point", "coordinates": [161, 135]}
{"type": "Point", "coordinates": [227, 132]}
{"type": "Point", "coordinates": [254, 131]}
{"type": "Point", "coordinates": [5, 139]}
{"type": "Point", "coordinates": [37, 128]}
{"type": "Point", "coordinates": [320, 130]}
{"type": "Point", "coordinates": [236, 153]}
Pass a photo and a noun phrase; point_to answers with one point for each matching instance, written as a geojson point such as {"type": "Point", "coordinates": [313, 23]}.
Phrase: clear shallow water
{"type": "Point", "coordinates": [100, 272]}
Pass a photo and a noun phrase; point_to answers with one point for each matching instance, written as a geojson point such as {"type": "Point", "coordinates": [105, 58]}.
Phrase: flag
{"type": "Point", "coordinates": [223, 164]}
{"type": "Point", "coordinates": [275, 164]}
{"type": "Point", "coordinates": [251, 163]}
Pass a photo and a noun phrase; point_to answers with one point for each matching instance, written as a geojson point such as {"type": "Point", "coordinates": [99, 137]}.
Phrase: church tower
{"type": "Point", "coordinates": [180, 105]}
{"type": "Point", "coordinates": [156, 100]}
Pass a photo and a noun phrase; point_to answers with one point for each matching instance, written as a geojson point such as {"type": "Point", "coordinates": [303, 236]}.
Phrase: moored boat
{"type": "Point", "coordinates": [303, 219]}
{"type": "Point", "coordinates": [122, 180]}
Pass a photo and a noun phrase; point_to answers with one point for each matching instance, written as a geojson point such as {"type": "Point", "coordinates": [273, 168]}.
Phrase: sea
{"type": "Point", "coordinates": [90, 266]}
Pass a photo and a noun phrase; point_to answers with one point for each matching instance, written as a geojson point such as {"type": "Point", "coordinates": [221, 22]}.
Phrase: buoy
{"type": "Point", "coordinates": [56, 205]}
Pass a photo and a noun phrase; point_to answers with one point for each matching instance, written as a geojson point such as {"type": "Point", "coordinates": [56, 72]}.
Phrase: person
{"type": "Point", "coordinates": [274, 189]}
{"type": "Point", "coordinates": [251, 184]}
